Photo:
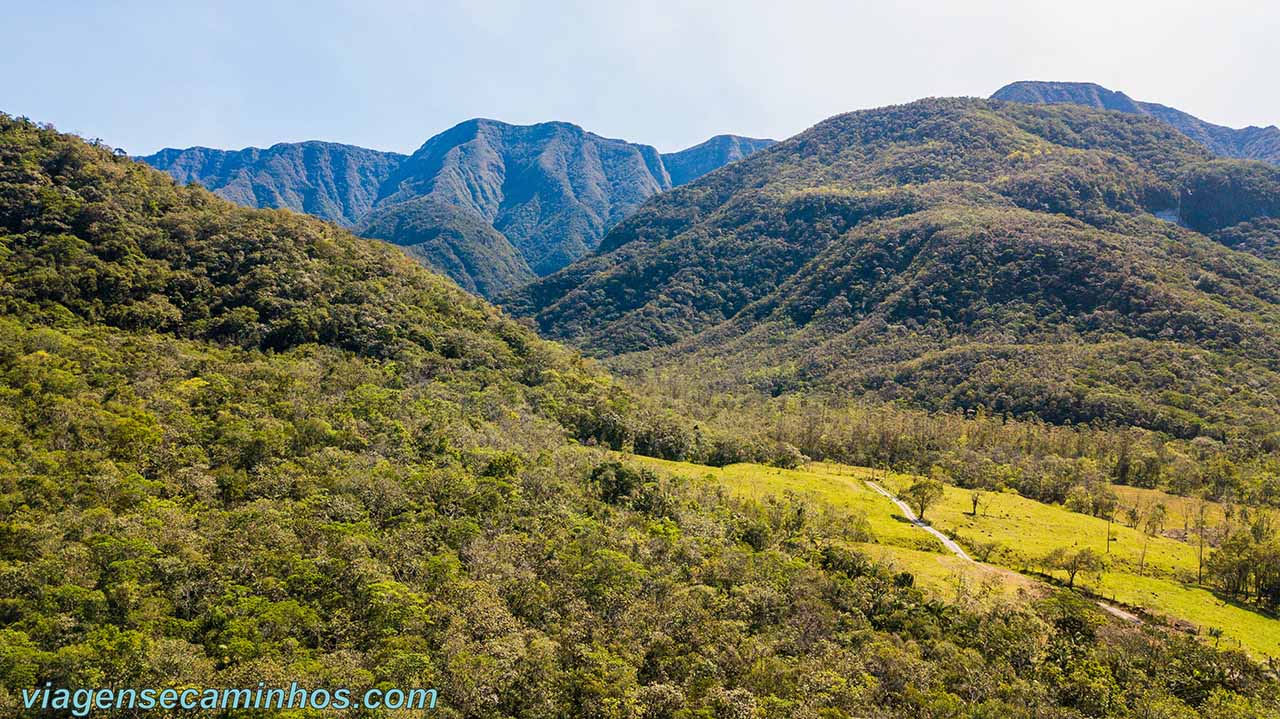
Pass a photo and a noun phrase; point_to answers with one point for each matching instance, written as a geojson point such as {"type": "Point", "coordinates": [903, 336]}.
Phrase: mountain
{"type": "Point", "coordinates": [955, 254]}
{"type": "Point", "coordinates": [550, 189]}
{"type": "Point", "coordinates": [244, 448]}
{"type": "Point", "coordinates": [691, 163]}
{"type": "Point", "coordinates": [1250, 143]}
{"type": "Point", "coordinates": [338, 183]}
{"type": "Point", "coordinates": [490, 204]}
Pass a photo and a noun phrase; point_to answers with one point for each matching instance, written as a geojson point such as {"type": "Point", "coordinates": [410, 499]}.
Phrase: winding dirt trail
{"type": "Point", "coordinates": [947, 542]}
{"type": "Point", "coordinates": [957, 550]}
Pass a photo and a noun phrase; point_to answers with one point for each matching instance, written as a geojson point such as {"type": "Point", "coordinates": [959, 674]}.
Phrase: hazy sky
{"type": "Point", "coordinates": [146, 75]}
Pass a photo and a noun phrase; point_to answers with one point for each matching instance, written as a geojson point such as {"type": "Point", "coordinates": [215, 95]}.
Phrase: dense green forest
{"type": "Point", "coordinates": [241, 445]}
{"type": "Point", "coordinates": [1051, 261]}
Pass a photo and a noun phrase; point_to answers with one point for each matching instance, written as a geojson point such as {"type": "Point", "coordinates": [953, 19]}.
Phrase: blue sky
{"type": "Point", "coordinates": [145, 75]}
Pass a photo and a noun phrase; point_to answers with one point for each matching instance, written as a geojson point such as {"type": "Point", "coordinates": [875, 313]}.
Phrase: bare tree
{"type": "Point", "coordinates": [1201, 526]}
{"type": "Point", "coordinates": [1151, 526]}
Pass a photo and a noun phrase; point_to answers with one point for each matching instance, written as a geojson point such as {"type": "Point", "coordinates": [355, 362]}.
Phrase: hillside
{"type": "Point", "coordinates": [1154, 576]}
{"type": "Point", "coordinates": [1250, 143]}
{"type": "Point", "coordinates": [243, 446]}
{"type": "Point", "coordinates": [954, 254]}
{"type": "Point", "coordinates": [490, 204]}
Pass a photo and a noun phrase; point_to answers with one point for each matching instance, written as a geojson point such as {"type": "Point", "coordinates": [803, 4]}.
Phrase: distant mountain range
{"type": "Point", "coordinates": [490, 204]}
{"type": "Point", "coordinates": [1250, 143]}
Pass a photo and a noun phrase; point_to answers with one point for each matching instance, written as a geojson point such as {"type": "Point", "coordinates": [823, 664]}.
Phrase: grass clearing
{"type": "Point", "coordinates": [1027, 530]}
{"type": "Point", "coordinates": [1241, 626]}
{"type": "Point", "coordinates": [1024, 528]}
{"type": "Point", "coordinates": [846, 491]}
{"type": "Point", "coordinates": [949, 576]}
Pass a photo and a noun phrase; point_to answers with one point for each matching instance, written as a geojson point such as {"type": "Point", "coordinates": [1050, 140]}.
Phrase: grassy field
{"type": "Point", "coordinates": [1027, 530]}
{"type": "Point", "coordinates": [846, 491]}
{"type": "Point", "coordinates": [1024, 529]}
{"type": "Point", "coordinates": [1256, 633]}
{"type": "Point", "coordinates": [950, 576]}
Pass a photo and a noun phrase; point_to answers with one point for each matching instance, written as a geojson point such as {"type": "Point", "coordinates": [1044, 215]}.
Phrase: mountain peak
{"type": "Point", "coordinates": [1077, 93]}
{"type": "Point", "coordinates": [949, 253]}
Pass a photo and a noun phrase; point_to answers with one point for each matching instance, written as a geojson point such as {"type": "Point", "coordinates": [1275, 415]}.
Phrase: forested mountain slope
{"type": "Point", "coordinates": [1250, 143]}
{"type": "Point", "coordinates": [243, 446]}
{"type": "Point", "coordinates": [490, 204]}
{"type": "Point", "coordinates": [953, 254]}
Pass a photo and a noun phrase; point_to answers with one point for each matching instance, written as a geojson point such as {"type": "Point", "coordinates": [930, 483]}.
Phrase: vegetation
{"type": "Point", "coordinates": [923, 493]}
{"type": "Point", "coordinates": [241, 445]}
{"type": "Point", "coordinates": [1075, 561]}
{"type": "Point", "coordinates": [1034, 539]}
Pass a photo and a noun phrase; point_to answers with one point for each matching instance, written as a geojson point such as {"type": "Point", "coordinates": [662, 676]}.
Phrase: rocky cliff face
{"type": "Point", "coordinates": [691, 163]}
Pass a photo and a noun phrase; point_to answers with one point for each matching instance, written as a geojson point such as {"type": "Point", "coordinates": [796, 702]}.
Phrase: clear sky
{"type": "Point", "coordinates": [172, 73]}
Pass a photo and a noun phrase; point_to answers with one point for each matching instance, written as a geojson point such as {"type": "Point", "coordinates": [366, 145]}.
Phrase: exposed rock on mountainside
{"type": "Point", "coordinates": [694, 162]}
{"type": "Point", "coordinates": [551, 189]}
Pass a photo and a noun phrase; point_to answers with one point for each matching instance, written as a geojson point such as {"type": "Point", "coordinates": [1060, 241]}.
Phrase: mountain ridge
{"type": "Point", "coordinates": [299, 176]}
{"type": "Point", "coordinates": [1247, 143]}
{"type": "Point", "coordinates": [491, 204]}
{"type": "Point", "coordinates": [244, 445]}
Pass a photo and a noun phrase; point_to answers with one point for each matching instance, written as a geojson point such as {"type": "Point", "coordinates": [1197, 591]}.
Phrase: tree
{"type": "Point", "coordinates": [923, 493]}
{"type": "Point", "coordinates": [1152, 525]}
{"type": "Point", "coordinates": [1073, 562]}
{"type": "Point", "coordinates": [975, 498]}
{"type": "Point", "coordinates": [983, 551]}
{"type": "Point", "coordinates": [1201, 526]}
{"type": "Point", "coordinates": [1133, 516]}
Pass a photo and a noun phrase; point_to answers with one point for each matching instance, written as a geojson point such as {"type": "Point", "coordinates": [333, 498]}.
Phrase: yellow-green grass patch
{"type": "Point", "coordinates": [1027, 530]}
{"type": "Point", "coordinates": [942, 573]}
{"type": "Point", "coordinates": [1241, 626]}
{"type": "Point", "coordinates": [844, 491]}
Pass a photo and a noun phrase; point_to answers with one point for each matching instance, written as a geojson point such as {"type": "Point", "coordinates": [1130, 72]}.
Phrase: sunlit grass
{"type": "Point", "coordinates": [846, 491]}
{"type": "Point", "coordinates": [1180, 512]}
{"type": "Point", "coordinates": [1026, 531]}
{"type": "Point", "coordinates": [950, 576]}
{"type": "Point", "coordinates": [1241, 626]}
